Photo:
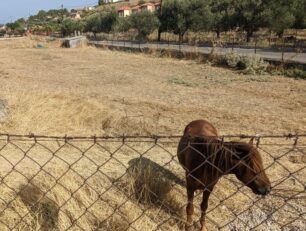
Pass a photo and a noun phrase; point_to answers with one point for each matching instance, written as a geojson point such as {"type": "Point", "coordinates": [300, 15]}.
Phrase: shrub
{"type": "Point", "coordinates": [252, 65]}
{"type": "Point", "coordinates": [232, 60]}
{"type": "Point", "coordinates": [296, 73]}
{"type": "Point", "coordinates": [147, 181]}
{"type": "Point", "coordinates": [247, 64]}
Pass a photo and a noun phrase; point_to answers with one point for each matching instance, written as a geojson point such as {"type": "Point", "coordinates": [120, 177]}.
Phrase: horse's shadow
{"type": "Point", "coordinates": [153, 184]}
{"type": "Point", "coordinates": [143, 163]}
{"type": "Point", "coordinates": [39, 206]}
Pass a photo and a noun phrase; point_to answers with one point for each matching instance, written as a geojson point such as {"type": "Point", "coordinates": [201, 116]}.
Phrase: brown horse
{"type": "Point", "coordinates": [206, 159]}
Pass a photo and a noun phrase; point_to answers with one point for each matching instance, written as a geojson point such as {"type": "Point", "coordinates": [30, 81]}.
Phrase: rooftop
{"type": "Point", "coordinates": [122, 8]}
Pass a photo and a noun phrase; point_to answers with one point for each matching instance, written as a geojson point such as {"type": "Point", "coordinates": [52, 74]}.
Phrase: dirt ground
{"type": "Point", "coordinates": [93, 91]}
{"type": "Point", "coordinates": [89, 91]}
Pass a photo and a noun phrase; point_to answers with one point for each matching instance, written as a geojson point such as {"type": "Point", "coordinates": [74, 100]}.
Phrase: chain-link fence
{"type": "Point", "coordinates": [287, 50]}
{"type": "Point", "coordinates": [137, 183]}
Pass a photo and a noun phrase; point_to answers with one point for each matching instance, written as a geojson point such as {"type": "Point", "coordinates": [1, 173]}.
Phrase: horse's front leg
{"type": "Point", "coordinates": [204, 206]}
{"type": "Point", "coordinates": [189, 208]}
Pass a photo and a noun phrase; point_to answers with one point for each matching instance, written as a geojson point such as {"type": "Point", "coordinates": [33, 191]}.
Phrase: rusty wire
{"type": "Point", "coordinates": [118, 154]}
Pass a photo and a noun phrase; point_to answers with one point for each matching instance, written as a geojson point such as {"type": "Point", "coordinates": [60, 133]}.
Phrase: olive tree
{"type": "Point", "coordinates": [100, 22]}
{"type": "Point", "coordinates": [145, 23]}
{"type": "Point", "coordinates": [69, 26]}
{"type": "Point", "coordinates": [179, 16]}
{"type": "Point", "coordinates": [250, 15]}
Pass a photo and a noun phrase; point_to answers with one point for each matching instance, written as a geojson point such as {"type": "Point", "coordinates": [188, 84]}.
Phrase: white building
{"type": "Point", "coordinates": [111, 1]}
{"type": "Point", "coordinates": [124, 11]}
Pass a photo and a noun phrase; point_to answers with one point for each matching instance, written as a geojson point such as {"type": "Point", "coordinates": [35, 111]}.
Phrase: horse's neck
{"type": "Point", "coordinates": [222, 155]}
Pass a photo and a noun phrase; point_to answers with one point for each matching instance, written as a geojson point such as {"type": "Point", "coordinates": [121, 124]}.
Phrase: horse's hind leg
{"type": "Point", "coordinates": [189, 208]}
{"type": "Point", "coordinates": [204, 206]}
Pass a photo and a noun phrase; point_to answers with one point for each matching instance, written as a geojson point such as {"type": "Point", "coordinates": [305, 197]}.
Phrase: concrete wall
{"type": "Point", "coordinates": [74, 42]}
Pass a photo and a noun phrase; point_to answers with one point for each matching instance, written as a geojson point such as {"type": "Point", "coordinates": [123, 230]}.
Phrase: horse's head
{"type": "Point", "coordinates": [249, 168]}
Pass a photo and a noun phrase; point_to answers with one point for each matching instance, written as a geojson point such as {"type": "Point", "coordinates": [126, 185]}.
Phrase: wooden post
{"type": "Point", "coordinates": [283, 44]}
{"type": "Point", "coordinates": [270, 38]}
{"type": "Point", "coordinates": [168, 37]}
{"type": "Point", "coordinates": [233, 42]}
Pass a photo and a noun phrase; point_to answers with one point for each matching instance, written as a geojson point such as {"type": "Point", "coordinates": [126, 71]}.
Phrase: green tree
{"type": "Point", "coordinates": [52, 27]}
{"type": "Point", "coordinates": [20, 31]}
{"type": "Point", "coordinates": [299, 14]}
{"type": "Point", "coordinates": [123, 24]}
{"type": "Point", "coordinates": [281, 15]}
{"type": "Point", "coordinates": [250, 15]}
{"type": "Point", "coordinates": [92, 24]}
{"type": "Point", "coordinates": [42, 15]}
{"type": "Point", "coordinates": [222, 16]}
{"type": "Point", "coordinates": [202, 18]}
{"type": "Point", "coordinates": [101, 2]}
{"type": "Point", "coordinates": [145, 23]}
{"type": "Point", "coordinates": [69, 26]}
{"type": "Point", "coordinates": [179, 16]}
{"type": "Point", "coordinates": [107, 20]}
{"type": "Point", "coordinates": [101, 22]}
{"type": "Point", "coordinates": [16, 28]}
{"type": "Point", "coordinates": [22, 21]}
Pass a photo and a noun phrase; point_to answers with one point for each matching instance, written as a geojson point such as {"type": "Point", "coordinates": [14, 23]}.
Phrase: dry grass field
{"type": "Point", "coordinates": [89, 91]}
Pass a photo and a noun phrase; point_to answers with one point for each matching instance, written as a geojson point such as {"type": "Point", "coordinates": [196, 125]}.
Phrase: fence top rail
{"type": "Point", "coordinates": [150, 137]}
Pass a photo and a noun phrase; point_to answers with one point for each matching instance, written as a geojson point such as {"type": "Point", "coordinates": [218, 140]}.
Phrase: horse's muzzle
{"type": "Point", "coordinates": [264, 190]}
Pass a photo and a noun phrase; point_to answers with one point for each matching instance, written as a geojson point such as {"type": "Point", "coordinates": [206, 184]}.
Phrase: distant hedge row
{"type": "Point", "coordinates": [180, 16]}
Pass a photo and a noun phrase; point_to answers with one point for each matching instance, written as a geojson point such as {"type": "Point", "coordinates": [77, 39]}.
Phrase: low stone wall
{"type": "Point", "coordinates": [74, 42]}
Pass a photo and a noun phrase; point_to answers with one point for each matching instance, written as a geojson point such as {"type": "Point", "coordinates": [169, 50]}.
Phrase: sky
{"type": "Point", "coordinates": [14, 9]}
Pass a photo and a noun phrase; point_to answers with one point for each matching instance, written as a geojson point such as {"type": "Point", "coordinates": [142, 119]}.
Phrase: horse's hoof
{"type": "Point", "coordinates": [203, 228]}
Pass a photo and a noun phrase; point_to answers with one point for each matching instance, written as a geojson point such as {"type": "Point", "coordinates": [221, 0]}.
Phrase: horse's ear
{"type": "Point", "coordinates": [251, 142]}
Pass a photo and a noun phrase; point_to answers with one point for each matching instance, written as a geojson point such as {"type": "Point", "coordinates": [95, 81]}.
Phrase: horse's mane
{"type": "Point", "coordinates": [219, 155]}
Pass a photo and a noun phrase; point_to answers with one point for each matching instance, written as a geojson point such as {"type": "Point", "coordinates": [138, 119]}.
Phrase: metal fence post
{"type": "Point", "coordinates": [283, 44]}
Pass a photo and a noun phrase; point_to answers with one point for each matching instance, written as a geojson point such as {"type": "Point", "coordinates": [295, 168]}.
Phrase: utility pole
{"type": "Point", "coordinates": [62, 13]}
{"type": "Point", "coordinates": [28, 21]}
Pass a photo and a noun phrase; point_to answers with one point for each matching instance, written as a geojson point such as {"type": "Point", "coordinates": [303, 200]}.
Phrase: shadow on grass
{"type": "Point", "coordinates": [154, 186]}
{"type": "Point", "coordinates": [41, 207]}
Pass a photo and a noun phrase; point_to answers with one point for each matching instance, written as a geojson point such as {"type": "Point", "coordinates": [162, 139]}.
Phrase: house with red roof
{"type": "Point", "coordinates": [147, 6]}
{"type": "Point", "coordinates": [135, 9]}
{"type": "Point", "coordinates": [124, 11]}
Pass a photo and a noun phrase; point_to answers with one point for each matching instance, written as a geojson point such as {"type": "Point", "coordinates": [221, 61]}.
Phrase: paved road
{"type": "Point", "coordinates": [264, 53]}
{"type": "Point", "coordinates": [10, 38]}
